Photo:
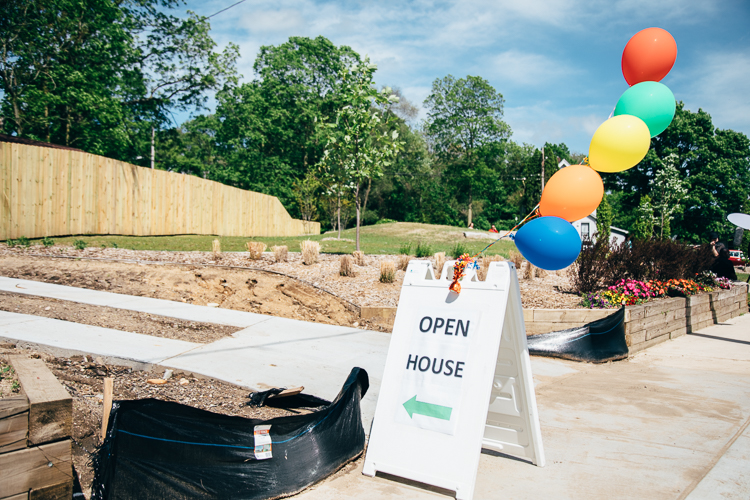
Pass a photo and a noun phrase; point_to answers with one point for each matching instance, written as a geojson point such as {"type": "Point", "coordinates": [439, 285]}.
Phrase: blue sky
{"type": "Point", "coordinates": [556, 62]}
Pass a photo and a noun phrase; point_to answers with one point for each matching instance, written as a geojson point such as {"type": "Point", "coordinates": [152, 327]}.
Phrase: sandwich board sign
{"type": "Point", "coordinates": [457, 378]}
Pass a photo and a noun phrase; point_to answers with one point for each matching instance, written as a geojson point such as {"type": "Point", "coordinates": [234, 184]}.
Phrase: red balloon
{"type": "Point", "coordinates": [648, 56]}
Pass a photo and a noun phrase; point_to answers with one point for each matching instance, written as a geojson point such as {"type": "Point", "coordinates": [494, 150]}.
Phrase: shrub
{"type": "Point", "coordinates": [47, 241]}
{"type": "Point", "coordinates": [423, 250]}
{"type": "Point", "coordinates": [255, 249]}
{"type": "Point", "coordinates": [484, 265]}
{"type": "Point", "coordinates": [385, 221]}
{"type": "Point", "coordinates": [458, 250]}
{"type": "Point", "coordinates": [405, 249]}
{"type": "Point", "coordinates": [387, 271]}
{"type": "Point", "coordinates": [346, 266]}
{"type": "Point", "coordinates": [590, 267]}
{"type": "Point", "coordinates": [516, 258]}
{"type": "Point", "coordinates": [280, 253]}
{"type": "Point", "coordinates": [23, 241]}
{"type": "Point", "coordinates": [403, 262]}
{"type": "Point", "coordinates": [359, 258]}
{"type": "Point", "coordinates": [79, 244]}
{"type": "Point", "coordinates": [310, 251]}
{"type": "Point", "coordinates": [439, 263]}
{"type": "Point", "coordinates": [643, 260]}
{"type": "Point", "coordinates": [10, 242]}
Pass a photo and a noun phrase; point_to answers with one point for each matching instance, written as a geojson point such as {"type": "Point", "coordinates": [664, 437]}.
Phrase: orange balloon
{"type": "Point", "coordinates": [648, 56]}
{"type": "Point", "coordinates": [572, 193]}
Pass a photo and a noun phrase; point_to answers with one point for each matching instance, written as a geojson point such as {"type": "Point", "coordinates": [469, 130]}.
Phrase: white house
{"type": "Point", "coordinates": [586, 227]}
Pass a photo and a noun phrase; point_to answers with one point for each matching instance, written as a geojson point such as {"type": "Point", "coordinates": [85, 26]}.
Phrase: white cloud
{"type": "Point", "coordinates": [521, 68]}
{"type": "Point", "coordinates": [720, 85]}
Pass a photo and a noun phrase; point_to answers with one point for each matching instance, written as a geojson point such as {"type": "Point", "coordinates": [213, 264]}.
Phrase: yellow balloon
{"type": "Point", "coordinates": [619, 143]}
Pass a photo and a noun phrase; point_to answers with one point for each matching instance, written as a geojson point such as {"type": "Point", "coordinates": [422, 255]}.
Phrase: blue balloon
{"type": "Point", "coordinates": [549, 243]}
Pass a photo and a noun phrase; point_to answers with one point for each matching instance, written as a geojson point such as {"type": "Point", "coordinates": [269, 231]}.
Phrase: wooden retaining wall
{"type": "Point", "coordinates": [56, 192]}
{"type": "Point", "coordinates": [35, 430]}
{"type": "Point", "coordinates": [645, 325]}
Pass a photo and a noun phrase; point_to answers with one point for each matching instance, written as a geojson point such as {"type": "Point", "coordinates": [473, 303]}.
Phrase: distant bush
{"type": "Point", "coordinates": [346, 266]}
{"type": "Point", "coordinates": [310, 251]}
{"type": "Point", "coordinates": [423, 250]}
{"type": "Point", "coordinates": [280, 253]}
{"type": "Point", "coordinates": [601, 264]}
{"type": "Point", "coordinates": [385, 221]}
{"type": "Point", "coordinates": [47, 241]}
{"type": "Point", "coordinates": [359, 258]}
{"type": "Point", "coordinates": [387, 271]}
{"type": "Point", "coordinates": [458, 250]}
{"type": "Point", "coordinates": [79, 244]}
{"type": "Point", "coordinates": [405, 249]}
{"type": "Point", "coordinates": [439, 263]}
{"type": "Point", "coordinates": [255, 249]}
{"type": "Point", "coordinates": [403, 262]}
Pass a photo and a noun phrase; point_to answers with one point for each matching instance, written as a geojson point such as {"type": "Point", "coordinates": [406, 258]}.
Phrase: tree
{"type": "Point", "coordinates": [643, 227]}
{"type": "Point", "coordinates": [98, 75]}
{"type": "Point", "coordinates": [668, 190]}
{"type": "Point", "coordinates": [604, 217]}
{"type": "Point", "coordinates": [179, 65]}
{"type": "Point", "coordinates": [358, 143]}
{"type": "Point", "coordinates": [306, 190]}
{"type": "Point", "coordinates": [713, 164]}
{"type": "Point", "coordinates": [464, 115]}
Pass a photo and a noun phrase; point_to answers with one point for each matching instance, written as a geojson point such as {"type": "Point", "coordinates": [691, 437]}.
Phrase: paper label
{"type": "Point", "coordinates": [262, 436]}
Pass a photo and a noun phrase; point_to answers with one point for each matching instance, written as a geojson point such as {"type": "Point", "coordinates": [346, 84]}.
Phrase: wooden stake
{"type": "Point", "coordinates": [108, 385]}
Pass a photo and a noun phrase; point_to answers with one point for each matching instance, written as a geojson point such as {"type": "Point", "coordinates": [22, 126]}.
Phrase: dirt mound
{"type": "Point", "coordinates": [243, 290]}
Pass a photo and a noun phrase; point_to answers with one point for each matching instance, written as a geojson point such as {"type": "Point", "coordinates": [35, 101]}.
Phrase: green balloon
{"type": "Point", "coordinates": [652, 102]}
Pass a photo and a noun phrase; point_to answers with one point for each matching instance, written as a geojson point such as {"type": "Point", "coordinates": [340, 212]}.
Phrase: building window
{"type": "Point", "coordinates": [584, 230]}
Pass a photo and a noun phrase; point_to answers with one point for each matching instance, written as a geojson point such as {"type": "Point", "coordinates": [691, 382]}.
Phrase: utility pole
{"type": "Point", "coordinates": [542, 169]}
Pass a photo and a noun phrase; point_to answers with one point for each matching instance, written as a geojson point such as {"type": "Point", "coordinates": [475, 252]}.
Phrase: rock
{"type": "Point", "coordinates": [167, 374]}
{"type": "Point", "coordinates": [184, 381]}
{"type": "Point", "coordinates": [156, 381]}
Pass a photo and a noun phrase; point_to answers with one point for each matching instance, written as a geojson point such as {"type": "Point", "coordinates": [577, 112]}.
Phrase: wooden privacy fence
{"type": "Point", "coordinates": [55, 192]}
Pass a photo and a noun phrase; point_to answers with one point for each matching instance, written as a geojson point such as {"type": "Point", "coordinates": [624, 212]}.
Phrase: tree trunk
{"type": "Point", "coordinates": [338, 211]}
{"type": "Point", "coordinates": [152, 146]}
{"type": "Point", "coordinates": [367, 195]}
{"type": "Point", "coordinates": [67, 126]}
{"type": "Point", "coordinates": [358, 204]}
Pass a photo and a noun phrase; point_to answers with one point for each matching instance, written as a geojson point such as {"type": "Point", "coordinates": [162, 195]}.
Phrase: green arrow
{"type": "Point", "coordinates": [427, 409]}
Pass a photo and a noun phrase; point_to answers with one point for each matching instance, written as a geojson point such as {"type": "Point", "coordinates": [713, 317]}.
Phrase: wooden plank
{"type": "Point", "coordinates": [61, 491]}
{"type": "Point", "coordinates": [30, 468]}
{"type": "Point", "coordinates": [20, 496]}
{"type": "Point", "coordinates": [13, 432]}
{"type": "Point", "coordinates": [107, 407]}
{"type": "Point", "coordinates": [50, 405]}
{"type": "Point", "coordinates": [4, 191]}
{"type": "Point", "coordinates": [580, 316]}
{"type": "Point", "coordinates": [13, 405]}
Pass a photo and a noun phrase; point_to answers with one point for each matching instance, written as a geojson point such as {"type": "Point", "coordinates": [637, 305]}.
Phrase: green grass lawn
{"type": "Point", "coordinates": [378, 239]}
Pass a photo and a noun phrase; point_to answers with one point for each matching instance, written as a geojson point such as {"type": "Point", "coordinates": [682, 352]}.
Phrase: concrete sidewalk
{"type": "Point", "coordinates": [268, 352]}
{"type": "Point", "coordinates": [671, 422]}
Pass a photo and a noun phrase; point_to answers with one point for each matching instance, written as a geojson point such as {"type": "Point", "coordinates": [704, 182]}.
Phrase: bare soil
{"type": "Point", "coordinates": [116, 319]}
{"type": "Point", "coordinates": [285, 289]}
{"type": "Point", "coordinates": [83, 376]}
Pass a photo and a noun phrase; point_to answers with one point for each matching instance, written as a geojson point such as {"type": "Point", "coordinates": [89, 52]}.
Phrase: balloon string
{"type": "Point", "coordinates": [532, 215]}
{"type": "Point", "coordinates": [463, 261]}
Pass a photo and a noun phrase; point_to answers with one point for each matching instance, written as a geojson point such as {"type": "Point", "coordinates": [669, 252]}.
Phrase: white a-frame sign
{"type": "Point", "coordinates": [457, 378]}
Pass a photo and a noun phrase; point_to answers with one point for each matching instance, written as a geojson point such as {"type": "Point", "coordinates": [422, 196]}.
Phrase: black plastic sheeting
{"type": "Point", "coordinates": [158, 449]}
{"type": "Point", "coordinates": [596, 342]}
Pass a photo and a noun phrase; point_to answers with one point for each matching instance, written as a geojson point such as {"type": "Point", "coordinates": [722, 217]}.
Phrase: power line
{"type": "Point", "coordinates": [222, 10]}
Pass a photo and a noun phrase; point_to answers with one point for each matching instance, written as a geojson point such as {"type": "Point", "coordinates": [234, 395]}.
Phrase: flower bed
{"type": "Point", "coordinates": [630, 292]}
